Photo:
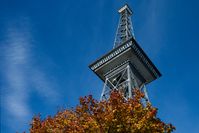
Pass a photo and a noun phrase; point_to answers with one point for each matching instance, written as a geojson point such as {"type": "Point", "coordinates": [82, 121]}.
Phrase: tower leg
{"type": "Point", "coordinates": [129, 81]}
{"type": "Point", "coordinates": [145, 93]}
{"type": "Point", "coordinates": [103, 90]}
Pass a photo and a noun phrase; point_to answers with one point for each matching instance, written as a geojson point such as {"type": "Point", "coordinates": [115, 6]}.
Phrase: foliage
{"type": "Point", "coordinates": [111, 116]}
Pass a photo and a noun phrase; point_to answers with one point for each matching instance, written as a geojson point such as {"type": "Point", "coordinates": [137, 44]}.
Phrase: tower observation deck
{"type": "Point", "coordinates": [126, 66]}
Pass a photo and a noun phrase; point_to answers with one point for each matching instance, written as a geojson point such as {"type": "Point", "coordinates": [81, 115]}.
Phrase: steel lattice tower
{"type": "Point", "coordinates": [125, 27]}
{"type": "Point", "coordinates": [126, 67]}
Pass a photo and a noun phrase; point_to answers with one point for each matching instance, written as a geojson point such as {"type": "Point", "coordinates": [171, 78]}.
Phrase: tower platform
{"type": "Point", "coordinates": [128, 52]}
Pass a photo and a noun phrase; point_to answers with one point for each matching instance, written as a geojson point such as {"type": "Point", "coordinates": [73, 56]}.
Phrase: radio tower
{"type": "Point", "coordinates": [126, 66]}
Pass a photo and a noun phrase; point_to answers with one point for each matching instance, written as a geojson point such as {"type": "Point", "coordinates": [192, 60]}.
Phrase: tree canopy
{"type": "Point", "coordinates": [113, 115]}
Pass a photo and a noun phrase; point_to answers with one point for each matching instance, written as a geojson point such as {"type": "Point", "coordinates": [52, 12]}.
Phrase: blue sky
{"type": "Point", "coordinates": [46, 47]}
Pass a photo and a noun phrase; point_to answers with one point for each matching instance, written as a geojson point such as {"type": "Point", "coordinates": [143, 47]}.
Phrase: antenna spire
{"type": "Point", "coordinates": [125, 27]}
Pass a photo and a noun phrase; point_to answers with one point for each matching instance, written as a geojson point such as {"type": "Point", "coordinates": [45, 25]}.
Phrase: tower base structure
{"type": "Point", "coordinates": [122, 79]}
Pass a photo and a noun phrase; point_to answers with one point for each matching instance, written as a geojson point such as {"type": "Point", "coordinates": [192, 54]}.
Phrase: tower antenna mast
{"type": "Point", "coordinates": [125, 26]}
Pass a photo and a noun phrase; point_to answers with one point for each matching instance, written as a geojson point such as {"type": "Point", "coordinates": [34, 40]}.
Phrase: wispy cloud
{"type": "Point", "coordinates": [20, 73]}
{"type": "Point", "coordinates": [16, 58]}
{"type": "Point", "coordinates": [43, 86]}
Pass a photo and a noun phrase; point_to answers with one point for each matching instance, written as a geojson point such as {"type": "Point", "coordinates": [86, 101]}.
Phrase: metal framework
{"type": "Point", "coordinates": [126, 67]}
{"type": "Point", "coordinates": [125, 27]}
{"type": "Point", "coordinates": [123, 80]}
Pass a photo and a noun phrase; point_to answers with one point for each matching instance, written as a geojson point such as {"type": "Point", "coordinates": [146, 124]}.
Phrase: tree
{"type": "Point", "coordinates": [114, 115]}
